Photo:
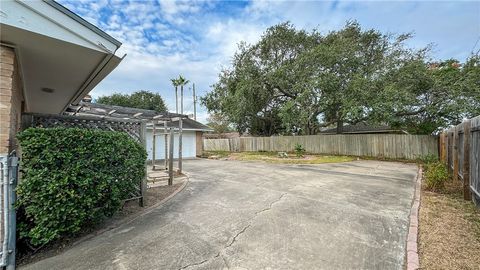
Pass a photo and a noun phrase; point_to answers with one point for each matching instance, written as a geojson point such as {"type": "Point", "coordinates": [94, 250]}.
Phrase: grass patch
{"type": "Point", "coordinates": [272, 157]}
{"type": "Point", "coordinates": [449, 231]}
{"type": "Point", "coordinates": [215, 154]}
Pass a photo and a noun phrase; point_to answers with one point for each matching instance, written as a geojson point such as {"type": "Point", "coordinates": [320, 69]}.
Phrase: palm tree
{"type": "Point", "coordinates": [182, 82]}
{"type": "Point", "coordinates": [175, 84]}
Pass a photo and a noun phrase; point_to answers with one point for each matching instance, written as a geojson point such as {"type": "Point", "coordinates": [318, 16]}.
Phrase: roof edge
{"type": "Point", "coordinates": [83, 22]}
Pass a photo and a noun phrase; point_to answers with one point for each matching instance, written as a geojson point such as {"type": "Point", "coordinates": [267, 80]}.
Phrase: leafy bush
{"type": "Point", "coordinates": [426, 160]}
{"type": "Point", "coordinates": [436, 174]}
{"type": "Point", "coordinates": [299, 150]}
{"type": "Point", "coordinates": [73, 178]}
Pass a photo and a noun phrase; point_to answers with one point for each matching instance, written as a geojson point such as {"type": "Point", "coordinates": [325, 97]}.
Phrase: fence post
{"type": "Point", "coordinates": [455, 154]}
{"type": "Point", "coordinates": [442, 147]}
{"type": "Point", "coordinates": [466, 161]}
{"type": "Point", "coordinates": [154, 144]}
{"type": "Point", "coordinates": [165, 130]}
{"type": "Point", "coordinates": [180, 144]}
{"type": "Point", "coordinates": [170, 157]}
{"type": "Point", "coordinates": [143, 183]}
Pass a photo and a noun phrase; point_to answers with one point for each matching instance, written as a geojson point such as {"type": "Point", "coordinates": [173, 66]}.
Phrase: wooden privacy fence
{"type": "Point", "coordinates": [373, 145]}
{"type": "Point", "coordinates": [460, 150]}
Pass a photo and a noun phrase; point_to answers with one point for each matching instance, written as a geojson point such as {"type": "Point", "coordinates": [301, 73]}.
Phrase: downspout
{"type": "Point", "coordinates": [12, 214]}
{"type": "Point", "coordinates": [5, 210]}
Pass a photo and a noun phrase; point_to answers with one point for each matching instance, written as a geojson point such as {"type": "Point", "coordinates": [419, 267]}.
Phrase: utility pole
{"type": "Point", "coordinates": [194, 104]}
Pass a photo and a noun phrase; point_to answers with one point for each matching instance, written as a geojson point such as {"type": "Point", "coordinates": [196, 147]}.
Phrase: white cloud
{"type": "Point", "coordinates": [196, 38]}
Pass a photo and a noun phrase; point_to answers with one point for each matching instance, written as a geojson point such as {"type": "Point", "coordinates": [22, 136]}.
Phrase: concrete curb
{"type": "Point", "coordinates": [133, 217]}
{"type": "Point", "coordinates": [413, 261]}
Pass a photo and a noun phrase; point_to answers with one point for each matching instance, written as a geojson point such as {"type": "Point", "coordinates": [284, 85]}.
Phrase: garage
{"type": "Point", "coordinates": [191, 138]}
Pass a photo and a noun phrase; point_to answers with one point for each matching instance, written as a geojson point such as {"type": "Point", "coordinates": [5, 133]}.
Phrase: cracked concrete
{"type": "Point", "coordinates": [234, 238]}
{"type": "Point", "coordinates": [242, 215]}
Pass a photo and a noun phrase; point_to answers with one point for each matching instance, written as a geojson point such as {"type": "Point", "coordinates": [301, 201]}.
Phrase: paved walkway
{"type": "Point", "coordinates": [241, 215]}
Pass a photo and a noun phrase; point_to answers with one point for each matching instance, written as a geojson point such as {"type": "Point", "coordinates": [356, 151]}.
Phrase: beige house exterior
{"type": "Point", "coordinates": [11, 100]}
{"type": "Point", "coordinates": [50, 58]}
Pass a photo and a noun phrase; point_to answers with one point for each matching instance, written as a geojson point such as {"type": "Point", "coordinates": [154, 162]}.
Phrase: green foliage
{"type": "Point", "coordinates": [299, 150]}
{"type": "Point", "coordinates": [180, 81]}
{"type": "Point", "coordinates": [141, 100]}
{"type": "Point", "coordinates": [219, 123]}
{"type": "Point", "coordinates": [294, 81]}
{"type": "Point", "coordinates": [426, 160]}
{"type": "Point", "coordinates": [72, 178]}
{"type": "Point", "coordinates": [436, 174]}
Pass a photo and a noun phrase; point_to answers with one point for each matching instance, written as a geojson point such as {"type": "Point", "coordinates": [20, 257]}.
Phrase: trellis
{"type": "Point", "coordinates": [151, 118]}
{"type": "Point", "coordinates": [132, 121]}
{"type": "Point", "coordinates": [132, 127]}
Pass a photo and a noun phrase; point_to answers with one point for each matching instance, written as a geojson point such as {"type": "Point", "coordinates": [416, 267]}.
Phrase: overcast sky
{"type": "Point", "coordinates": [163, 39]}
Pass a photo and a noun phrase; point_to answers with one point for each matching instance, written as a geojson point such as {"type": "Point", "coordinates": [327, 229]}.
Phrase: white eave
{"type": "Point", "coordinates": [55, 49]}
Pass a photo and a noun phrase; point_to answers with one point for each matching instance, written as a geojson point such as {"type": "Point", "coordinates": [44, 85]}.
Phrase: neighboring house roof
{"type": "Point", "coordinates": [61, 57]}
{"type": "Point", "coordinates": [363, 128]}
{"type": "Point", "coordinates": [190, 124]}
{"type": "Point", "coordinates": [120, 112]}
{"type": "Point", "coordinates": [226, 135]}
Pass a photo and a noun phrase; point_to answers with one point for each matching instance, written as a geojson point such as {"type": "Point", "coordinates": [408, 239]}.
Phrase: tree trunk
{"type": "Point", "coordinates": [176, 99]}
{"type": "Point", "coordinates": [181, 99]}
{"type": "Point", "coordinates": [340, 126]}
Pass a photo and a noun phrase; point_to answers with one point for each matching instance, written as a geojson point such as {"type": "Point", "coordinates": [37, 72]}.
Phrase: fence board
{"type": "Point", "coordinates": [374, 145]}
{"type": "Point", "coordinates": [463, 156]}
{"type": "Point", "coordinates": [475, 158]}
{"type": "Point", "coordinates": [216, 145]}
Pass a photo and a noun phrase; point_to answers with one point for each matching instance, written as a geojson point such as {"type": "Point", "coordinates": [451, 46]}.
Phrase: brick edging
{"type": "Point", "coordinates": [413, 261]}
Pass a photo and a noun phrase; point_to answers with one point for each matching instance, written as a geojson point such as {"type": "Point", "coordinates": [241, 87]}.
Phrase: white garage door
{"type": "Point", "coordinates": [189, 145]}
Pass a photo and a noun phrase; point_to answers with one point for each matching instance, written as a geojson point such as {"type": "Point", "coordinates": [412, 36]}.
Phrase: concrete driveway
{"type": "Point", "coordinates": [245, 215]}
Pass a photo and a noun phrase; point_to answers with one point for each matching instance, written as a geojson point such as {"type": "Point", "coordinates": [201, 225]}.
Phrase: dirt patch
{"type": "Point", "coordinates": [129, 210]}
{"type": "Point", "coordinates": [449, 230]}
{"type": "Point", "coordinates": [274, 157]}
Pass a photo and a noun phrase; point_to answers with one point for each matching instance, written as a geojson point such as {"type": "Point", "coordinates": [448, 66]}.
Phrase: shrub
{"type": "Point", "coordinates": [299, 150]}
{"type": "Point", "coordinates": [435, 176]}
{"type": "Point", "coordinates": [73, 178]}
{"type": "Point", "coordinates": [426, 160]}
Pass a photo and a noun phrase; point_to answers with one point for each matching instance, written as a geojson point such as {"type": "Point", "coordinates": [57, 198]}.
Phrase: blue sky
{"type": "Point", "coordinates": [163, 39]}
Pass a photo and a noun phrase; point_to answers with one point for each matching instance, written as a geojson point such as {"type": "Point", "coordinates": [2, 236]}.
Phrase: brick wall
{"type": "Point", "coordinates": [11, 99]}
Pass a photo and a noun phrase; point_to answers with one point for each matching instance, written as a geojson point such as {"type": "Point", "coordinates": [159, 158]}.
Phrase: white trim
{"type": "Point", "coordinates": [86, 87]}
{"type": "Point", "coordinates": [45, 10]}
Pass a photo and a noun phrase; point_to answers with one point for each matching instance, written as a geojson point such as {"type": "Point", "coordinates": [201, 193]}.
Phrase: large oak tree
{"type": "Point", "coordinates": [298, 81]}
{"type": "Point", "coordinates": [141, 100]}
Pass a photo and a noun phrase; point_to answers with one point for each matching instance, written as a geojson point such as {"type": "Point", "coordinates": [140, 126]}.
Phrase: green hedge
{"type": "Point", "coordinates": [72, 178]}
